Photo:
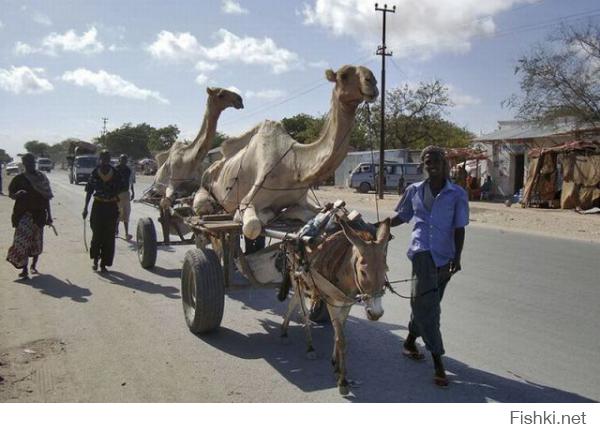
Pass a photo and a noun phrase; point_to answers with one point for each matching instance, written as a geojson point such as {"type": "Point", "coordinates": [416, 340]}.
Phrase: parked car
{"type": "Point", "coordinates": [44, 164]}
{"type": "Point", "coordinates": [13, 168]}
{"type": "Point", "coordinates": [83, 166]}
{"type": "Point", "coordinates": [398, 176]}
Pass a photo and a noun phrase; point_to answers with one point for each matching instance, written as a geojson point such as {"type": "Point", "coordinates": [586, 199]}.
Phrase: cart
{"type": "Point", "coordinates": [208, 271]}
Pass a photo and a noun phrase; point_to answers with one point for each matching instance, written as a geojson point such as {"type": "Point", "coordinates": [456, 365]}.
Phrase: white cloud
{"type": "Point", "coordinates": [319, 65]}
{"type": "Point", "coordinates": [69, 41]}
{"type": "Point", "coordinates": [201, 79]}
{"type": "Point", "coordinates": [419, 29]}
{"type": "Point", "coordinates": [230, 48]}
{"type": "Point", "coordinates": [110, 84]}
{"type": "Point", "coordinates": [461, 99]}
{"type": "Point", "coordinates": [203, 66]}
{"type": "Point", "coordinates": [23, 79]}
{"type": "Point", "coordinates": [174, 46]}
{"type": "Point", "coordinates": [267, 95]}
{"type": "Point", "coordinates": [232, 7]}
{"type": "Point", "coordinates": [42, 19]}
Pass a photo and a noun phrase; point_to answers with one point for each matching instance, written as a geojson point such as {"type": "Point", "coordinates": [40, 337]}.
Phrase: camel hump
{"type": "Point", "coordinates": [233, 145]}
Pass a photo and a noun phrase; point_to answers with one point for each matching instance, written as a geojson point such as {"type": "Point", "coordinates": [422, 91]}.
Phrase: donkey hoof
{"type": "Point", "coordinates": [343, 389]}
{"type": "Point", "coordinates": [311, 354]}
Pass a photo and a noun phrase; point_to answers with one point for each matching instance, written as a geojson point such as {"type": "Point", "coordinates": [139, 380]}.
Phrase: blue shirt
{"type": "Point", "coordinates": [434, 230]}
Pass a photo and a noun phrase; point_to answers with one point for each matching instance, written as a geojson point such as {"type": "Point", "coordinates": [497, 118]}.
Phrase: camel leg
{"type": "Point", "coordinates": [203, 203]}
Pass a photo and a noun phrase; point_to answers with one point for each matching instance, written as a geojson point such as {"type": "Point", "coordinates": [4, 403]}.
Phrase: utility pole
{"type": "Point", "coordinates": [104, 120]}
{"type": "Point", "coordinates": [381, 51]}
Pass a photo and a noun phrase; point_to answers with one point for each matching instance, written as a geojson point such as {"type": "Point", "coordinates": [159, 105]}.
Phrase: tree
{"type": "Point", "coordinates": [5, 157]}
{"type": "Point", "coordinates": [302, 127]}
{"type": "Point", "coordinates": [559, 77]}
{"type": "Point", "coordinates": [219, 139]}
{"type": "Point", "coordinates": [128, 139]}
{"type": "Point", "coordinates": [38, 148]}
{"type": "Point", "coordinates": [162, 139]}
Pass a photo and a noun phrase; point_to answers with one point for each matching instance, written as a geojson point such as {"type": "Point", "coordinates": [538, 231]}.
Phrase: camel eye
{"type": "Point", "coordinates": [344, 76]}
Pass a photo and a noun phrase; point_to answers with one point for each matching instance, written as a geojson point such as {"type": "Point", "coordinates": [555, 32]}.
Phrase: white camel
{"type": "Point", "coordinates": [181, 166]}
{"type": "Point", "coordinates": [265, 171]}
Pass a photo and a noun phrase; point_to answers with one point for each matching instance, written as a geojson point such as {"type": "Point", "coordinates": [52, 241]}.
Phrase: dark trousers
{"type": "Point", "coordinates": [428, 286]}
{"type": "Point", "coordinates": [103, 221]}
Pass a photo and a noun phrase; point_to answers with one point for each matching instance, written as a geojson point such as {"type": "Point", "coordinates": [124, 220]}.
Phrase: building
{"type": "Point", "coordinates": [508, 146]}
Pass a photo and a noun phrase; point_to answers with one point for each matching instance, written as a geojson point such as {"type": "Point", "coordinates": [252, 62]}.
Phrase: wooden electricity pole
{"type": "Point", "coordinates": [104, 120]}
{"type": "Point", "coordinates": [381, 51]}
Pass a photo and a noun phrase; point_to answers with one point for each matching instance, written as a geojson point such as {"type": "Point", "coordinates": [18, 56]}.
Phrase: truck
{"type": "Point", "coordinates": [82, 168]}
{"type": "Point", "coordinates": [44, 164]}
{"type": "Point", "coordinates": [398, 175]}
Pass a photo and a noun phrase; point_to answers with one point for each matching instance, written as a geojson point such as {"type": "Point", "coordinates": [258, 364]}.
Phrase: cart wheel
{"type": "Point", "coordinates": [146, 243]}
{"type": "Point", "coordinates": [202, 290]}
{"type": "Point", "coordinates": [318, 312]}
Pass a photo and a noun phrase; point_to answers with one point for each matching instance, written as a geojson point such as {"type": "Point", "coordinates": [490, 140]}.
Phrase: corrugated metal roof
{"type": "Point", "coordinates": [517, 130]}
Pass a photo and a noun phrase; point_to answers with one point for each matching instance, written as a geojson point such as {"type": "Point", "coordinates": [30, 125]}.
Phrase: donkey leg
{"type": "Point", "coordinates": [340, 344]}
{"type": "Point", "coordinates": [288, 315]}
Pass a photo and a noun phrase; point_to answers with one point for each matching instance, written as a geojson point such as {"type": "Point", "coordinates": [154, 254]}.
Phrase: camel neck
{"type": "Point", "coordinates": [318, 160]}
{"type": "Point", "coordinates": [203, 141]}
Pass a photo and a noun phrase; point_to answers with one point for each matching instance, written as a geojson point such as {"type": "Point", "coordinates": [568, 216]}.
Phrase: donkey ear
{"type": "Point", "coordinates": [352, 236]}
{"type": "Point", "coordinates": [330, 75]}
{"type": "Point", "coordinates": [211, 91]}
{"type": "Point", "coordinates": [383, 231]}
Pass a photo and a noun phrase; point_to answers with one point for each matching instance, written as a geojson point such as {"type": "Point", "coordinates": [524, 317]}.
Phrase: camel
{"type": "Point", "coordinates": [180, 168]}
{"type": "Point", "coordinates": [347, 264]}
{"type": "Point", "coordinates": [265, 171]}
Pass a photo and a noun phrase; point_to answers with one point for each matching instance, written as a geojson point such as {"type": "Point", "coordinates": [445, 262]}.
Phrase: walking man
{"type": "Point", "coordinates": [440, 212]}
{"type": "Point", "coordinates": [32, 193]}
{"type": "Point", "coordinates": [127, 181]}
{"type": "Point", "coordinates": [104, 185]}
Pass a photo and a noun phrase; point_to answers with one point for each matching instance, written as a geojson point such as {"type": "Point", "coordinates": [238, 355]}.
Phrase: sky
{"type": "Point", "coordinates": [65, 65]}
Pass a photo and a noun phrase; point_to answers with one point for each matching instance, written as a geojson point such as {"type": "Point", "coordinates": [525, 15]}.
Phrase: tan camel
{"type": "Point", "coordinates": [265, 171]}
{"type": "Point", "coordinates": [346, 265]}
{"type": "Point", "coordinates": [180, 169]}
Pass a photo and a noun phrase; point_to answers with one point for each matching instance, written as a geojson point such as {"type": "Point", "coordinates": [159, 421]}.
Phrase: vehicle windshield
{"type": "Point", "coordinates": [86, 162]}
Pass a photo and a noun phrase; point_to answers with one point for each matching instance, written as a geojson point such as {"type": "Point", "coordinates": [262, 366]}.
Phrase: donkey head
{"type": "Point", "coordinates": [369, 265]}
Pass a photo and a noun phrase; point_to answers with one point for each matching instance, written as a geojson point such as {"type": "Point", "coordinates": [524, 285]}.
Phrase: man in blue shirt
{"type": "Point", "coordinates": [440, 212]}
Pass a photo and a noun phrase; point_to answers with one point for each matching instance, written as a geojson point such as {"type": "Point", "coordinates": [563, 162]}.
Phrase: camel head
{"type": "Point", "coordinates": [369, 264]}
{"type": "Point", "coordinates": [353, 84]}
{"type": "Point", "coordinates": [222, 98]}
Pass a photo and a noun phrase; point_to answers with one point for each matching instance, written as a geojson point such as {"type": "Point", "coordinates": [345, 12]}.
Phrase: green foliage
{"type": "Point", "coordinates": [138, 141]}
{"type": "Point", "coordinates": [38, 148]}
{"type": "Point", "coordinates": [219, 138]}
{"type": "Point", "coordinates": [303, 128]}
{"type": "Point", "coordinates": [162, 139]}
{"type": "Point", "coordinates": [5, 157]}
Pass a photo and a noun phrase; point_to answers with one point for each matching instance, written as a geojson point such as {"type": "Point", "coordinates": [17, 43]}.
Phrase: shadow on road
{"type": "Point", "coordinates": [167, 273]}
{"type": "Point", "coordinates": [52, 286]}
{"type": "Point", "coordinates": [374, 361]}
{"type": "Point", "coordinates": [128, 281]}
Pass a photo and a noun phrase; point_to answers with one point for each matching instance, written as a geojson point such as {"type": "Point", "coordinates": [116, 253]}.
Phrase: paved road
{"type": "Point", "coordinates": [521, 324]}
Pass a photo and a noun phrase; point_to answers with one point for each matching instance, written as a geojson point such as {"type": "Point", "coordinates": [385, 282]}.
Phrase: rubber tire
{"type": "Point", "coordinates": [364, 188]}
{"type": "Point", "coordinates": [147, 246]}
{"type": "Point", "coordinates": [319, 314]}
{"type": "Point", "coordinates": [202, 290]}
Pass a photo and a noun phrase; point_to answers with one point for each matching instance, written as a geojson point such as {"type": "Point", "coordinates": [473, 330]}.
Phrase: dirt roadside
{"type": "Point", "coordinates": [558, 223]}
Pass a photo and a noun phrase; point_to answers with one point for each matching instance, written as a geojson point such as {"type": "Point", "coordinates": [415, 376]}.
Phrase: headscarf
{"type": "Point", "coordinates": [40, 183]}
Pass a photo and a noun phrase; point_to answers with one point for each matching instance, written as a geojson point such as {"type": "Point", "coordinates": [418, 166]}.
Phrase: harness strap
{"type": "Point", "coordinates": [333, 295]}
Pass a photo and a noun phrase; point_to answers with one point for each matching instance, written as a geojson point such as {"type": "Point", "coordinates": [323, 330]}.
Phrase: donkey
{"type": "Point", "coordinates": [348, 266]}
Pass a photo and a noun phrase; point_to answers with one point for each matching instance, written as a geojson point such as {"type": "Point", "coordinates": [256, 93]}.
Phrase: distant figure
{"type": "Point", "coordinates": [127, 179]}
{"type": "Point", "coordinates": [104, 184]}
{"type": "Point", "coordinates": [32, 193]}
{"type": "Point", "coordinates": [1, 193]}
{"type": "Point", "coordinates": [486, 188]}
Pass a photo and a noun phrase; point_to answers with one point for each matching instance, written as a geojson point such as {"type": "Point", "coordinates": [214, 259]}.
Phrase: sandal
{"type": "Point", "coordinates": [440, 381]}
{"type": "Point", "coordinates": [415, 355]}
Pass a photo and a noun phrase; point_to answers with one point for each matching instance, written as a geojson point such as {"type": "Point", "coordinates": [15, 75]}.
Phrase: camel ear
{"type": "Point", "coordinates": [352, 236]}
{"type": "Point", "coordinates": [211, 91]}
{"type": "Point", "coordinates": [383, 232]}
{"type": "Point", "coordinates": [330, 75]}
